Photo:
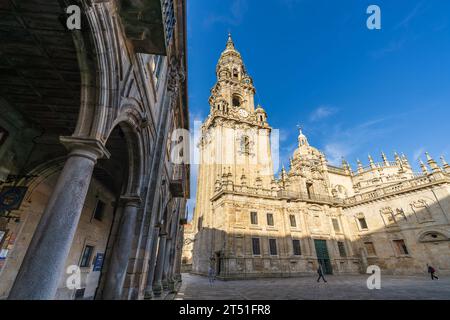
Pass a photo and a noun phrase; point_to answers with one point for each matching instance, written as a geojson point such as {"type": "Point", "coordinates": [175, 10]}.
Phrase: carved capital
{"type": "Point", "coordinates": [86, 147]}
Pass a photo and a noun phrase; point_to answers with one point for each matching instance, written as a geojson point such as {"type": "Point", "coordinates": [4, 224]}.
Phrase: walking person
{"type": "Point", "coordinates": [432, 271]}
{"type": "Point", "coordinates": [211, 275]}
{"type": "Point", "coordinates": [320, 272]}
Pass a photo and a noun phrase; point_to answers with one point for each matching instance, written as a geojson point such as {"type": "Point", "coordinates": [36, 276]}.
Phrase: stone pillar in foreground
{"type": "Point", "coordinates": [151, 264]}
{"type": "Point", "coordinates": [177, 258]}
{"type": "Point", "coordinates": [120, 254]}
{"type": "Point", "coordinates": [42, 267]}
{"type": "Point", "coordinates": [157, 283]}
{"type": "Point", "coordinates": [171, 252]}
{"type": "Point", "coordinates": [165, 274]}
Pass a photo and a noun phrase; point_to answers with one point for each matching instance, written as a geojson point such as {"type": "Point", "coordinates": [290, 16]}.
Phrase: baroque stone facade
{"type": "Point", "coordinates": [86, 183]}
{"type": "Point", "coordinates": [248, 223]}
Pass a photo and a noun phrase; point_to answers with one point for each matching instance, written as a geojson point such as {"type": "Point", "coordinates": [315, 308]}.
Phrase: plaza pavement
{"type": "Point", "coordinates": [347, 287]}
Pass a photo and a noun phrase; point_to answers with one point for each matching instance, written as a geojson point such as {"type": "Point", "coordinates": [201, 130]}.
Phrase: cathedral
{"type": "Point", "coordinates": [249, 223]}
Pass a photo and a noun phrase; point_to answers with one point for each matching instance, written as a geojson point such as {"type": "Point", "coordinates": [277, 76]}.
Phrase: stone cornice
{"type": "Point", "coordinates": [211, 120]}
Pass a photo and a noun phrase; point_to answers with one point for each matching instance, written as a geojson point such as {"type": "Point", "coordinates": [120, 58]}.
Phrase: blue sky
{"type": "Point", "coordinates": [314, 62]}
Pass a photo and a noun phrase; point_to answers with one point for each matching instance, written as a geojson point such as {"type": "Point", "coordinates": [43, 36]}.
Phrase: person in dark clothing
{"type": "Point", "coordinates": [432, 271]}
{"type": "Point", "coordinates": [320, 272]}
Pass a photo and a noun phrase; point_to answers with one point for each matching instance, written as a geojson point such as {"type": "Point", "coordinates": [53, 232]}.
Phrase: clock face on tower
{"type": "Point", "coordinates": [243, 113]}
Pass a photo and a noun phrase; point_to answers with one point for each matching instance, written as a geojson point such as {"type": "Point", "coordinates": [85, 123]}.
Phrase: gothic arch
{"type": "Point", "coordinates": [136, 155]}
{"type": "Point", "coordinates": [101, 69]}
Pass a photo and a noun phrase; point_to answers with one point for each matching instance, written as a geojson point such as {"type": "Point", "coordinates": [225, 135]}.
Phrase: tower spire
{"type": "Point", "coordinates": [230, 43]}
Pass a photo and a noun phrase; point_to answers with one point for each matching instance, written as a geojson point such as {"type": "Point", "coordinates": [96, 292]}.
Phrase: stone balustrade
{"type": "Point", "coordinates": [419, 181]}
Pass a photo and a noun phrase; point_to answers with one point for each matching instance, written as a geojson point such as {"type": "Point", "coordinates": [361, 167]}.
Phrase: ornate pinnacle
{"type": "Point", "coordinates": [405, 160]}
{"type": "Point", "coordinates": [433, 165]}
{"type": "Point", "coordinates": [372, 164]}
{"type": "Point", "coordinates": [445, 165]}
{"type": "Point", "coordinates": [385, 160]}
{"type": "Point", "coordinates": [360, 166]}
{"type": "Point", "coordinates": [423, 166]}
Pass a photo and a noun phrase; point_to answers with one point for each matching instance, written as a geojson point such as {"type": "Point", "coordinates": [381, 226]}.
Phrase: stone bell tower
{"type": "Point", "coordinates": [235, 143]}
{"type": "Point", "coordinates": [234, 87]}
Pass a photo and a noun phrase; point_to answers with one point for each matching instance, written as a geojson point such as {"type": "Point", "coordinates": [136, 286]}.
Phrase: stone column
{"type": "Point", "coordinates": [165, 275]}
{"type": "Point", "coordinates": [120, 254]}
{"type": "Point", "coordinates": [151, 264]}
{"type": "Point", "coordinates": [178, 253]}
{"type": "Point", "coordinates": [157, 284]}
{"type": "Point", "coordinates": [166, 279]}
{"type": "Point", "coordinates": [172, 279]}
{"type": "Point", "coordinates": [42, 267]}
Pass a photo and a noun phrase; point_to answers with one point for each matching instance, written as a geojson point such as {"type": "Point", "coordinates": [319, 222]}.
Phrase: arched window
{"type": "Point", "coordinates": [245, 145]}
{"type": "Point", "coordinates": [235, 73]}
{"type": "Point", "coordinates": [236, 101]}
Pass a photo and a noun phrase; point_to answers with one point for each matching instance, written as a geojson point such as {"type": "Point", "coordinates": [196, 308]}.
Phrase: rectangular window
{"type": "Point", "coordinates": [256, 246]}
{"type": "Point", "coordinates": [254, 217]}
{"type": "Point", "coordinates": [273, 247]}
{"type": "Point", "coordinates": [270, 219]}
{"type": "Point", "coordinates": [370, 248]}
{"type": "Point", "coordinates": [292, 220]}
{"type": "Point", "coordinates": [362, 223]}
{"type": "Point", "coordinates": [296, 246]}
{"type": "Point", "coordinates": [341, 248]}
{"type": "Point", "coordinates": [99, 209]}
{"type": "Point", "coordinates": [401, 247]}
{"type": "Point", "coordinates": [309, 189]}
{"type": "Point", "coordinates": [336, 225]}
{"type": "Point", "coordinates": [86, 258]}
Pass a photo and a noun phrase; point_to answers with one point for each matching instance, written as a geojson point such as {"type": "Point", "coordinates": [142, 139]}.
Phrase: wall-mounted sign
{"type": "Point", "coordinates": [98, 262]}
{"type": "Point", "coordinates": [3, 135]}
{"type": "Point", "coordinates": [11, 198]}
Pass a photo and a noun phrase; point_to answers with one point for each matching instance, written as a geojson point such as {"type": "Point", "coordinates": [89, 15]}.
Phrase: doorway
{"type": "Point", "coordinates": [322, 255]}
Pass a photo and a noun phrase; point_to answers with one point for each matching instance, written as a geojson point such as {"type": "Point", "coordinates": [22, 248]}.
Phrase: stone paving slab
{"type": "Point", "coordinates": [345, 287]}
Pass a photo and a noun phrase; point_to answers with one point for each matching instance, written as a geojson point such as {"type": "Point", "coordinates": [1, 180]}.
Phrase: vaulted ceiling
{"type": "Point", "coordinates": [39, 73]}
